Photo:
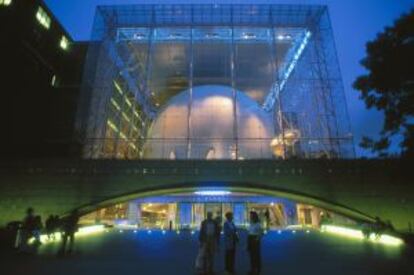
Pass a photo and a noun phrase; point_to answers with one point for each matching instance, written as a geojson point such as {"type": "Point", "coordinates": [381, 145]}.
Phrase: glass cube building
{"type": "Point", "coordinates": [213, 82]}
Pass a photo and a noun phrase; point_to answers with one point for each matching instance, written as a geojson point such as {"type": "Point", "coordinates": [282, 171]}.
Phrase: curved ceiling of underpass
{"type": "Point", "coordinates": [253, 189]}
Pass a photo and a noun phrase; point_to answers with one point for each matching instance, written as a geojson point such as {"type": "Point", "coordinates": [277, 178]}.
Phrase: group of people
{"type": "Point", "coordinates": [32, 227]}
{"type": "Point", "coordinates": [209, 237]}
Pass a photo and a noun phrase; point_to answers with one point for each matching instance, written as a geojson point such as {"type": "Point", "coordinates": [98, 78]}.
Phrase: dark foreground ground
{"type": "Point", "coordinates": [114, 252]}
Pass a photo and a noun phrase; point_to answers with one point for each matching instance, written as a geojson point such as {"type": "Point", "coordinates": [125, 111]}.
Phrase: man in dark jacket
{"type": "Point", "coordinates": [230, 241]}
{"type": "Point", "coordinates": [209, 236]}
{"type": "Point", "coordinates": [69, 228]}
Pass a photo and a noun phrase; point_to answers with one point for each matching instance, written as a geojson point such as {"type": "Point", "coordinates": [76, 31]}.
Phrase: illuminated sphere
{"type": "Point", "coordinates": [211, 127]}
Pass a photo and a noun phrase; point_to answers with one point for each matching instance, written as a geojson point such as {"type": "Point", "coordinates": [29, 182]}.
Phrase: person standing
{"type": "Point", "coordinates": [69, 228]}
{"type": "Point", "coordinates": [26, 232]}
{"type": "Point", "coordinates": [37, 230]}
{"type": "Point", "coordinates": [230, 241]}
{"type": "Point", "coordinates": [209, 233]}
{"type": "Point", "coordinates": [255, 233]}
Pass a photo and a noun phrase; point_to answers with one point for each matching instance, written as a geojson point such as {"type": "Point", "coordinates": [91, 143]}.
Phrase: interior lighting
{"type": "Point", "coordinates": [139, 36]}
{"type": "Point", "coordinates": [357, 234]}
{"type": "Point", "coordinates": [248, 35]}
{"type": "Point", "coordinates": [212, 193]}
{"type": "Point", "coordinates": [64, 43]}
{"type": "Point", "coordinates": [163, 232]}
{"type": "Point", "coordinates": [133, 146]}
{"type": "Point", "coordinates": [115, 104]}
{"type": "Point", "coordinates": [125, 117]}
{"type": "Point", "coordinates": [122, 135]}
{"type": "Point", "coordinates": [118, 88]}
{"type": "Point", "coordinates": [112, 125]}
{"type": "Point", "coordinates": [42, 18]}
{"type": "Point", "coordinates": [128, 102]}
{"type": "Point", "coordinates": [279, 231]}
{"type": "Point", "coordinates": [53, 83]}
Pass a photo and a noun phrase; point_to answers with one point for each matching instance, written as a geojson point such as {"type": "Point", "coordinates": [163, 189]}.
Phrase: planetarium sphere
{"type": "Point", "coordinates": [207, 128]}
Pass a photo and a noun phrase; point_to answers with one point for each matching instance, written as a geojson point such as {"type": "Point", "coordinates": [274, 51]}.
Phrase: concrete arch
{"type": "Point", "coordinates": [357, 188]}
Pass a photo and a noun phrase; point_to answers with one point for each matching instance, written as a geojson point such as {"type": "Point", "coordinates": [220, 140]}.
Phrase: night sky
{"type": "Point", "coordinates": [354, 22]}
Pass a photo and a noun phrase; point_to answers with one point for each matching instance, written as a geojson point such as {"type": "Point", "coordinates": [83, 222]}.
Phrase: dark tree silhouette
{"type": "Point", "coordinates": [389, 84]}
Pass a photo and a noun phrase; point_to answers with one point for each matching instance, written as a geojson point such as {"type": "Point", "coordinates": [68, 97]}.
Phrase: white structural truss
{"type": "Point", "coordinates": [286, 71]}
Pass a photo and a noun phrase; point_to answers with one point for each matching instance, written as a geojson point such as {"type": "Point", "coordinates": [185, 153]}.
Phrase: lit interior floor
{"type": "Point", "coordinates": [156, 253]}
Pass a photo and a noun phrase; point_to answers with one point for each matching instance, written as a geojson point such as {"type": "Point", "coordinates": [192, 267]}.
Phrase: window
{"type": "Point", "coordinates": [54, 81]}
{"type": "Point", "coordinates": [5, 2]}
{"type": "Point", "coordinates": [64, 43]}
{"type": "Point", "coordinates": [42, 17]}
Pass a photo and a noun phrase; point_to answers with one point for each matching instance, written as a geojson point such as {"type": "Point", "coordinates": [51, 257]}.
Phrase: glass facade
{"type": "Point", "coordinates": [213, 82]}
{"type": "Point", "coordinates": [187, 211]}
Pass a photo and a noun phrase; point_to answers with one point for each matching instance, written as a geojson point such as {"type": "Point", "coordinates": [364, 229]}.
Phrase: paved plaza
{"type": "Point", "coordinates": [155, 253]}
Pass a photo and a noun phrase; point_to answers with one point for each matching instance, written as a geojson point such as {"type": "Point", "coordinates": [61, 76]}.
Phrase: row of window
{"type": "Point", "coordinates": [45, 21]}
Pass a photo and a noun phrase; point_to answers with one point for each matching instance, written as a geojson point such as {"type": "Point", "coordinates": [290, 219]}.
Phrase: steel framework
{"type": "Point", "coordinates": [283, 57]}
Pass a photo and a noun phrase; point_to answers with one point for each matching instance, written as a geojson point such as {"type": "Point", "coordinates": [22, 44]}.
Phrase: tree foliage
{"type": "Point", "coordinates": [389, 84]}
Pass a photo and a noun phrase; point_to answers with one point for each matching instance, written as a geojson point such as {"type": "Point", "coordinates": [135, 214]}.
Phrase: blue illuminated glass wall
{"type": "Point", "coordinates": [213, 82]}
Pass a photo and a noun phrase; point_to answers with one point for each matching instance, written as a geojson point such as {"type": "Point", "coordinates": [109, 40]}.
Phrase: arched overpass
{"type": "Point", "coordinates": [361, 189]}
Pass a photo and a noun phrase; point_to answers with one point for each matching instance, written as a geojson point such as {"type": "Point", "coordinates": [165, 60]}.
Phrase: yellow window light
{"type": "Point", "coordinates": [64, 43]}
{"type": "Point", "coordinates": [112, 125]}
{"type": "Point", "coordinates": [43, 18]}
{"type": "Point", "coordinates": [53, 82]}
{"type": "Point", "coordinates": [118, 88]}
{"type": "Point", "coordinates": [116, 105]}
{"type": "Point", "coordinates": [5, 2]}
{"type": "Point", "coordinates": [122, 135]}
{"type": "Point", "coordinates": [126, 117]}
{"type": "Point", "coordinates": [128, 102]}
{"type": "Point", "coordinates": [133, 146]}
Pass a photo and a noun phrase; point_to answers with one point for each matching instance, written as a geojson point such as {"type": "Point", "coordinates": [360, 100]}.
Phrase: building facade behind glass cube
{"type": "Point", "coordinates": [213, 82]}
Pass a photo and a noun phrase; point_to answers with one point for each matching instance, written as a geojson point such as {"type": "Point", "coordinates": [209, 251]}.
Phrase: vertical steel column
{"type": "Point", "coordinates": [322, 75]}
{"type": "Point", "coordinates": [148, 70]}
{"type": "Point", "coordinates": [190, 100]}
{"type": "Point", "coordinates": [276, 79]}
{"type": "Point", "coordinates": [234, 92]}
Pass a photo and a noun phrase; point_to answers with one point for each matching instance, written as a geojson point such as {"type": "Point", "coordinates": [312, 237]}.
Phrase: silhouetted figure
{"type": "Point", "coordinates": [37, 230]}
{"type": "Point", "coordinates": [253, 243]}
{"type": "Point", "coordinates": [209, 234]}
{"type": "Point", "coordinates": [26, 231]}
{"type": "Point", "coordinates": [379, 227]}
{"type": "Point", "coordinates": [219, 222]}
{"type": "Point", "coordinates": [69, 228]}
{"type": "Point", "coordinates": [51, 225]}
{"type": "Point", "coordinates": [267, 218]}
{"type": "Point", "coordinates": [230, 241]}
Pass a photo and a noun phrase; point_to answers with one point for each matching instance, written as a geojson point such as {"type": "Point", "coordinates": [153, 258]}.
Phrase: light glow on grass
{"type": "Point", "coordinates": [83, 231]}
{"type": "Point", "coordinates": [357, 234]}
